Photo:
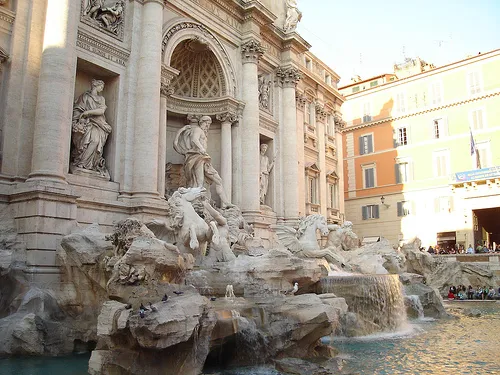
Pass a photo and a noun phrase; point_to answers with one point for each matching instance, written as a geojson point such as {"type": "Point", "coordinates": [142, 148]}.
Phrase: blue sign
{"type": "Point", "coordinates": [478, 174]}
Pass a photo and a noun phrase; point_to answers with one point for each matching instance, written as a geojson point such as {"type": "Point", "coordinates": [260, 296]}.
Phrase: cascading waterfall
{"type": "Point", "coordinates": [377, 300]}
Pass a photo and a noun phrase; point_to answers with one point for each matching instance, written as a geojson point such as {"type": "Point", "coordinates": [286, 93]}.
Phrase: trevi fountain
{"type": "Point", "coordinates": [151, 219]}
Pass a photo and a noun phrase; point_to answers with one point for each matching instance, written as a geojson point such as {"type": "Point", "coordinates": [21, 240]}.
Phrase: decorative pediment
{"type": "Point", "coordinates": [332, 176]}
{"type": "Point", "coordinates": [312, 167]}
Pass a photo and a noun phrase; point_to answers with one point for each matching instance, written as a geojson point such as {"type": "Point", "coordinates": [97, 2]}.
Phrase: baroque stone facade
{"type": "Point", "coordinates": [157, 70]}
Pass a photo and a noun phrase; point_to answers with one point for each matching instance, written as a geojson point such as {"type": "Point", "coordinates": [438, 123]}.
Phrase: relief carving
{"type": "Point", "coordinates": [264, 92]}
{"type": "Point", "coordinates": [105, 14]}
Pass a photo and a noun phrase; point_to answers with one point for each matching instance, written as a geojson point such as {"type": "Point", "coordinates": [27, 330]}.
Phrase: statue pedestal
{"type": "Point", "coordinates": [89, 173]}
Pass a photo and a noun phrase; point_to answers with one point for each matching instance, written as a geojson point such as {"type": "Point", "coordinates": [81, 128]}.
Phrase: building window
{"type": "Point", "coordinates": [402, 136]}
{"type": "Point", "coordinates": [483, 155]}
{"type": "Point", "coordinates": [443, 205]}
{"type": "Point", "coordinates": [308, 115]}
{"type": "Point", "coordinates": [373, 83]}
{"type": "Point", "coordinates": [334, 200]}
{"type": "Point", "coordinates": [474, 83]}
{"type": "Point", "coordinates": [400, 102]}
{"type": "Point", "coordinates": [370, 212]}
{"type": "Point", "coordinates": [366, 144]}
{"type": "Point", "coordinates": [402, 172]}
{"type": "Point", "coordinates": [476, 119]}
{"type": "Point", "coordinates": [313, 190]}
{"type": "Point", "coordinates": [404, 208]}
{"type": "Point", "coordinates": [439, 128]}
{"type": "Point", "coordinates": [369, 173]}
{"type": "Point", "coordinates": [308, 64]}
{"type": "Point", "coordinates": [436, 93]}
{"type": "Point", "coordinates": [441, 161]}
{"type": "Point", "coordinates": [367, 113]}
{"type": "Point", "coordinates": [328, 79]}
{"type": "Point", "coordinates": [330, 126]}
{"type": "Point", "coordinates": [355, 89]}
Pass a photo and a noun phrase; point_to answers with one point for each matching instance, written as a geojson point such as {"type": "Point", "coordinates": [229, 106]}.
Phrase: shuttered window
{"type": "Point", "coordinates": [366, 144]}
{"type": "Point", "coordinates": [369, 177]}
{"type": "Point", "coordinates": [370, 212]}
{"type": "Point", "coordinates": [402, 172]}
{"type": "Point", "coordinates": [404, 208]}
{"type": "Point", "coordinates": [474, 83]}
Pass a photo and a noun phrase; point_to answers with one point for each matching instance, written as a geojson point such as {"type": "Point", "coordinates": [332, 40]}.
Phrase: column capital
{"type": "Point", "coordinates": [301, 100]}
{"type": "Point", "coordinates": [167, 75]}
{"type": "Point", "coordinates": [288, 76]}
{"type": "Point", "coordinates": [251, 51]}
{"type": "Point", "coordinates": [230, 117]}
{"type": "Point", "coordinates": [320, 112]}
{"type": "Point", "coordinates": [339, 122]}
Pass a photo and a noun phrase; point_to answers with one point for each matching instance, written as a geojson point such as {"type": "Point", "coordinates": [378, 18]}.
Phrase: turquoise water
{"type": "Point", "coordinates": [443, 347]}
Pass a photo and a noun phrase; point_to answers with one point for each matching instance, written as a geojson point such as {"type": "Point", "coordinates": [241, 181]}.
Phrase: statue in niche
{"type": "Point", "coordinates": [293, 16]}
{"type": "Point", "coordinates": [191, 141]}
{"type": "Point", "coordinates": [264, 92]}
{"type": "Point", "coordinates": [90, 131]}
{"type": "Point", "coordinates": [266, 167]}
{"type": "Point", "coordinates": [108, 17]}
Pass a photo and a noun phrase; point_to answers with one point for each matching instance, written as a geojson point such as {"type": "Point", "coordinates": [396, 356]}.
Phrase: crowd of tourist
{"type": "Point", "coordinates": [460, 249]}
{"type": "Point", "coordinates": [469, 293]}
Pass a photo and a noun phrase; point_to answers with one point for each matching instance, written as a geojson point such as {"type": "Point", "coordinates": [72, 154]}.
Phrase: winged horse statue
{"type": "Point", "coordinates": [303, 242]}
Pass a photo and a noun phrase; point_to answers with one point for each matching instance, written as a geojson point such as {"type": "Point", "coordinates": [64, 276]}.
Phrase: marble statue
{"type": "Point", "coordinates": [191, 141]}
{"type": "Point", "coordinates": [264, 92]}
{"type": "Point", "coordinates": [342, 237]}
{"type": "Point", "coordinates": [293, 16]}
{"type": "Point", "coordinates": [90, 131]}
{"type": "Point", "coordinates": [303, 242]}
{"type": "Point", "coordinates": [188, 230]}
{"type": "Point", "coordinates": [266, 167]}
{"type": "Point", "coordinates": [108, 17]}
{"type": "Point", "coordinates": [229, 291]}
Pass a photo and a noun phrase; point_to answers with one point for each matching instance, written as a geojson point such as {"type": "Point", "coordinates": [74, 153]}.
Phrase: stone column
{"type": "Point", "coordinates": [288, 77]}
{"type": "Point", "coordinates": [145, 154]}
{"type": "Point", "coordinates": [226, 160]}
{"type": "Point", "coordinates": [54, 107]}
{"type": "Point", "coordinates": [167, 74]}
{"type": "Point", "coordinates": [250, 201]}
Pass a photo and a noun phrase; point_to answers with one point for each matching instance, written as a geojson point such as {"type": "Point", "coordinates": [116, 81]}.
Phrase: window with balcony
{"type": "Point", "coordinates": [366, 144]}
{"type": "Point", "coordinates": [333, 189]}
{"type": "Point", "coordinates": [370, 212]}
{"type": "Point", "coordinates": [483, 155]}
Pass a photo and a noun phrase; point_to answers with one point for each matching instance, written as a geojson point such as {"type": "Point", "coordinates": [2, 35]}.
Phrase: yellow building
{"type": "Point", "coordinates": [410, 165]}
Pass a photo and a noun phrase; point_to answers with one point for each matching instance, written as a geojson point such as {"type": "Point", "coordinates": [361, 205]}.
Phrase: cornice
{"type": "Point", "coordinates": [210, 107]}
{"type": "Point", "coordinates": [93, 44]}
{"type": "Point", "coordinates": [254, 10]}
{"type": "Point", "coordinates": [7, 18]}
{"type": "Point", "coordinates": [427, 110]}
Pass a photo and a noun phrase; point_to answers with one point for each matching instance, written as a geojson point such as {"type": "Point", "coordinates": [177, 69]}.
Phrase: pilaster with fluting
{"type": "Point", "coordinates": [147, 121]}
{"type": "Point", "coordinates": [250, 200]}
{"type": "Point", "coordinates": [54, 105]}
{"type": "Point", "coordinates": [226, 163]}
{"type": "Point", "coordinates": [288, 77]}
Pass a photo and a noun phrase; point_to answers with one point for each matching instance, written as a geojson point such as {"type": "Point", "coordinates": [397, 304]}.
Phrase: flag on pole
{"type": "Point", "coordinates": [473, 150]}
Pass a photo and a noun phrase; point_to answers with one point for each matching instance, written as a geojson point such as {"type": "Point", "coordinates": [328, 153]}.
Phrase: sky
{"type": "Point", "coordinates": [366, 37]}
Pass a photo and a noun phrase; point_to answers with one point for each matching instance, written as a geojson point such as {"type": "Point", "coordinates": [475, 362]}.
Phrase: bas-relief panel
{"type": "Point", "coordinates": [105, 15]}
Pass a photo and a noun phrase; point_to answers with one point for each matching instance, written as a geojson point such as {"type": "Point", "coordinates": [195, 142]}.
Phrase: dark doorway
{"type": "Point", "coordinates": [489, 219]}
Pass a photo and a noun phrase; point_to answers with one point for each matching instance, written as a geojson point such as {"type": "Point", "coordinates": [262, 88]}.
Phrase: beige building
{"type": "Point", "coordinates": [409, 165]}
{"type": "Point", "coordinates": [147, 68]}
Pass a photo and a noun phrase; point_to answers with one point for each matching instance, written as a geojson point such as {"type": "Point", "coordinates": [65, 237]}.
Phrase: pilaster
{"type": "Point", "coordinates": [251, 52]}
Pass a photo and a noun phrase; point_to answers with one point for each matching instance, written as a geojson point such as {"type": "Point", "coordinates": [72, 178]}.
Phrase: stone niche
{"type": "Point", "coordinates": [85, 73]}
